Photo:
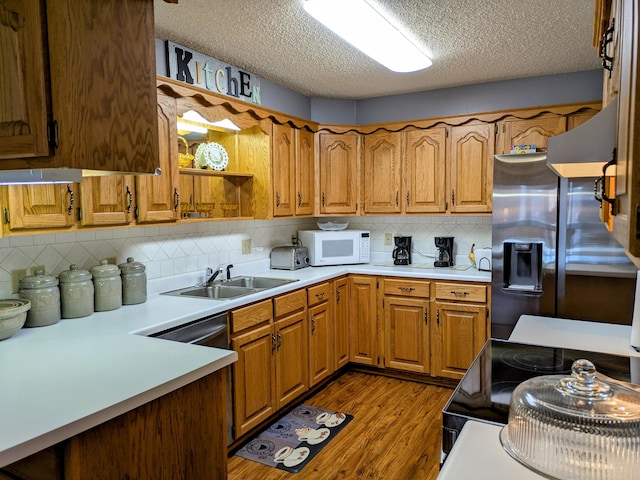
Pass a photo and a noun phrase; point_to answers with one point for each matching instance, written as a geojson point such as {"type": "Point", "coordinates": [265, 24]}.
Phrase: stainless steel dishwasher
{"type": "Point", "coordinates": [212, 331]}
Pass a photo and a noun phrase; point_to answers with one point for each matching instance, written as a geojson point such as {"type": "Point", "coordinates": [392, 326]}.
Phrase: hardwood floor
{"type": "Point", "coordinates": [395, 433]}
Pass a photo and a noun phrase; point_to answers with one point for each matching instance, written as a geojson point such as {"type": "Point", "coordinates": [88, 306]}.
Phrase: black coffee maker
{"type": "Point", "coordinates": [444, 257]}
{"type": "Point", "coordinates": [402, 252]}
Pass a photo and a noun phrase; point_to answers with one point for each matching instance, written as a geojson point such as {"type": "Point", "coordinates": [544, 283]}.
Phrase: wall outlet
{"type": "Point", "coordinates": [16, 276]}
{"type": "Point", "coordinates": [388, 238]}
{"type": "Point", "coordinates": [246, 246]}
{"type": "Point", "coordinates": [35, 268]}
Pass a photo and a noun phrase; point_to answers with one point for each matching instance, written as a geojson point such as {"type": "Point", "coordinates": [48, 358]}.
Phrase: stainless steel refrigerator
{"type": "Point", "coordinates": [551, 255]}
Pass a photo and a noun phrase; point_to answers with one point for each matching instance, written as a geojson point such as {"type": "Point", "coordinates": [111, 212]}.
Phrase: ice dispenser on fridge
{"type": "Point", "coordinates": [523, 266]}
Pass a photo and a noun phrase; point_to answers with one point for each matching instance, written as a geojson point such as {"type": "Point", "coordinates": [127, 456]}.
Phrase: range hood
{"type": "Point", "coordinates": [583, 151]}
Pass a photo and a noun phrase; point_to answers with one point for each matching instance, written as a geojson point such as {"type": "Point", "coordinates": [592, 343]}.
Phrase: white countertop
{"type": "Point", "coordinates": [478, 455]}
{"type": "Point", "coordinates": [65, 378]}
{"type": "Point", "coordinates": [576, 334]}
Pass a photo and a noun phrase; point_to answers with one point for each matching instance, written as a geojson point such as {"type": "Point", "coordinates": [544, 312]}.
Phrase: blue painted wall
{"type": "Point", "coordinates": [483, 97]}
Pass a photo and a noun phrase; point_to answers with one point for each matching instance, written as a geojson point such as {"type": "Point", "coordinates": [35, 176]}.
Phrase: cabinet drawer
{"type": "Point", "coordinates": [461, 291]}
{"type": "Point", "coordinates": [406, 288]}
{"type": "Point", "coordinates": [251, 316]}
{"type": "Point", "coordinates": [289, 302]}
{"type": "Point", "coordinates": [319, 293]}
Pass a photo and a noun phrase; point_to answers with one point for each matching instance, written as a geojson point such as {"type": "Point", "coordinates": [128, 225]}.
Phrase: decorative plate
{"type": "Point", "coordinates": [211, 155]}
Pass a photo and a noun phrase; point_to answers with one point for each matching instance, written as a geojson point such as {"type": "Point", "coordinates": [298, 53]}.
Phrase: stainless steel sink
{"type": "Point", "coordinates": [228, 289]}
{"type": "Point", "coordinates": [260, 283]}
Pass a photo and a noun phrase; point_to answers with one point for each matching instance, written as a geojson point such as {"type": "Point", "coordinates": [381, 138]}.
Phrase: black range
{"type": "Point", "coordinates": [484, 392]}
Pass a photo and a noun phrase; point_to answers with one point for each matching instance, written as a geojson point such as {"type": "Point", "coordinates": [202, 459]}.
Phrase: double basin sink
{"type": "Point", "coordinates": [228, 289]}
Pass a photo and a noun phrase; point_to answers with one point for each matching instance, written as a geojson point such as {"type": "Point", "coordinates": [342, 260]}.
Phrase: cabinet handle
{"type": "Point", "coordinates": [337, 295]}
{"type": "Point", "coordinates": [277, 199]}
{"type": "Point", "coordinates": [407, 199]}
{"type": "Point", "coordinates": [299, 199]}
{"type": "Point", "coordinates": [313, 324]}
{"type": "Point", "coordinates": [438, 317]}
{"type": "Point", "coordinates": [607, 38]}
{"type": "Point", "coordinates": [406, 289]}
{"type": "Point", "coordinates": [323, 199]}
{"type": "Point", "coordinates": [426, 317]}
{"type": "Point", "coordinates": [463, 294]}
{"type": "Point", "coordinates": [453, 197]}
{"type": "Point", "coordinates": [273, 343]}
{"type": "Point", "coordinates": [397, 194]}
{"type": "Point", "coordinates": [176, 197]}
{"type": "Point", "coordinates": [320, 295]}
{"type": "Point", "coordinates": [129, 199]}
{"type": "Point", "coordinates": [7, 217]}
{"type": "Point", "coordinates": [70, 192]}
{"type": "Point", "coordinates": [599, 186]}
{"type": "Point", "coordinates": [279, 340]}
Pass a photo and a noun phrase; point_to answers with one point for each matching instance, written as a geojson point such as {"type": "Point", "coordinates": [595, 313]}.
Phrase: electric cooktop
{"type": "Point", "coordinates": [485, 391]}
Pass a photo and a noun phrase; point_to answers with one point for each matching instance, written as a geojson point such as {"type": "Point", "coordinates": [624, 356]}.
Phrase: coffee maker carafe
{"type": "Point", "coordinates": [444, 257]}
{"type": "Point", "coordinates": [402, 252]}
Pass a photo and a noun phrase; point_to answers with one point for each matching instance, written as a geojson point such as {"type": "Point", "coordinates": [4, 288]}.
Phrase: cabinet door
{"type": "Point", "coordinates": [424, 171]}
{"type": "Point", "coordinates": [23, 94]}
{"type": "Point", "coordinates": [458, 335]}
{"type": "Point", "coordinates": [534, 131]}
{"type": "Point", "coordinates": [157, 197]}
{"type": "Point", "coordinates": [321, 363]}
{"type": "Point", "coordinates": [407, 334]}
{"type": "Point", "coordinates": [292, 358]}
{"type": "Point", "coordinates": [305, 176]}
{"type": "Point", "coordinates": [611, 78]}
{"type": "Point", "coordinates": [338, 167]}
{"type": "Point", "coordinates": [363, 320]}
{"type": "Point", "coordinates": [253, 381]}
{"type": "Point", "coordinates": [471, 173]}
{"type": "Point", "coordinates": [106, 200]}
{"type": "Point", "coordinates": [40, 206]}
{"type": "Point", "coordinates": [341, 323]}
{"type": "Point", "coordinates": [283, 155]}
{"type": "Point", "coordinates": [381, 172]}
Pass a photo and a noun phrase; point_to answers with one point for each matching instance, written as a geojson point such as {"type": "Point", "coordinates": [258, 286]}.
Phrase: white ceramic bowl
{"type": "Point", "coordinates": [13, 314]}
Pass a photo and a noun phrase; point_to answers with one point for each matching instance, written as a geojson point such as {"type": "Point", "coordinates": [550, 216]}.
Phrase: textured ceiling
{"type": "Point", "coordinates": [469, 41]}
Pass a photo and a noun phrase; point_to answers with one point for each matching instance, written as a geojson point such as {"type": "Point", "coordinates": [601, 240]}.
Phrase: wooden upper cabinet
{"type": "Point", "coordinates": [40, 206]}
{"type": "Point", "coordinates": [424, 172]}
{"type": "Point", "coordinates": [305, 172]}
{"type": "Point", "coordinates": [471, 168]}
{"type": "Point", "coordinates": [283, 154]}
{"type": "Point", "coordinates": [530, 131]}
{"type": "Point", "coordinates": [106, 200]}
{"type": "Point", "coordinates": [338, 169]}
{"type": "Point", "coordinates": [611, 25]}
{"type": "Point", "coordinates": [102, 100]}
{"type": "Point", "coordinates": [23, 98]}
{"type": "Point", "coordinates": [382, 172]}
{"type": "Point", "coordinates": [157, 196]}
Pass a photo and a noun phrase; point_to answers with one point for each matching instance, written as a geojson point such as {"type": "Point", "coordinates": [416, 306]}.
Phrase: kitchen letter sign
{"type": "Point", "coordinates": [197, 69]}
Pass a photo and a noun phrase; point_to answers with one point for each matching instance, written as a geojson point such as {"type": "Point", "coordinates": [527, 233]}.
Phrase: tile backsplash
{"type": "Point", "coordinates": [170, 250]}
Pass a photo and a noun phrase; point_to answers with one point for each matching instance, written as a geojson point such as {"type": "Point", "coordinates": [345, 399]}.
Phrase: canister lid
{"type": "Point", "coordinates": [74, 274]}
{"type": "Point", "coordinates": [105, 269]}
{"type": "Point", "coordinates": [131, 266]}
{"type": "Point", "coordinates": [39, 280]}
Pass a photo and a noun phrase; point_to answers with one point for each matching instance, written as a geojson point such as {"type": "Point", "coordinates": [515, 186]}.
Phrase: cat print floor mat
{"type": "Point", "coordinates": [292, 441]}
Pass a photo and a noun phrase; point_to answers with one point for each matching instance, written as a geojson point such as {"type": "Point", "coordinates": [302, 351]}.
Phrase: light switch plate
{"type": "Point", "coordinates": [388, 238]}
{"type": "Point", "coordinates": [16, 276]}
{"type": "Point", "coordinates": [246, 246]}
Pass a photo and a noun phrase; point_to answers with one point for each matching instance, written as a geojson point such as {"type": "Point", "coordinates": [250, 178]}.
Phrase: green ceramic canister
{"type": "Point", "coordinates": [76, 292]}
{"type": "Point", "coordinates": [134, 282]}
{"type": "Point", "coordinates": [43, 293]}
{"type": "Point", "coordinates": [107, 285]}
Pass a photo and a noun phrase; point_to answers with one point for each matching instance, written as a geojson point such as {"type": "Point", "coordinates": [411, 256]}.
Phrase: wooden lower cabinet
{"type": "Point", "coordinates": [341, 323]}
{"type": "Point", "coordinates": [181, 435]}
{"type": "Point", "coordinates": [321, 362]}
{"type": "Point", "coordinates": [272, 366]}
{"type": "Point", "coordinates": [460, 327]}
{"type": "Point", "coordinates": [363, 320]}
{"type": "Point", "coordinates": [406, 325]}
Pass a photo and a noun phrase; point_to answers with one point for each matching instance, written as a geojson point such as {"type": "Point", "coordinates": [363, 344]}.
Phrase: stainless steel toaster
{"type": "Point", "coordinates": [289, 257]}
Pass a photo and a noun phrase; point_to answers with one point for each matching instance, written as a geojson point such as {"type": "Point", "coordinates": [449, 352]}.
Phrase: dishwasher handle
{"type": "Point", "coordinates": [208, 339]}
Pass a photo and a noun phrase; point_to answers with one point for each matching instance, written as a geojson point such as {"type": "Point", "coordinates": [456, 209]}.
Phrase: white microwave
{"type": "Point", "coordinates": [336, 247]}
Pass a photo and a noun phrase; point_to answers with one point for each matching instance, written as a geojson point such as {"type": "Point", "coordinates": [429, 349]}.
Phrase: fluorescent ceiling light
{"type": "Point", "coordinates": [194, 116]}
{"type": "Point", "coordinates": [187, 127]}
{"type": "Point", "coordinates": [363, 27]}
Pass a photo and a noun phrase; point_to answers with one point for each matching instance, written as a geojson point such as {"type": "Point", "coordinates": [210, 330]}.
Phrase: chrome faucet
{"type": "Point", "coordinates": [229, 267]}
{"type": "Point", "coordinates": [212, 275]}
